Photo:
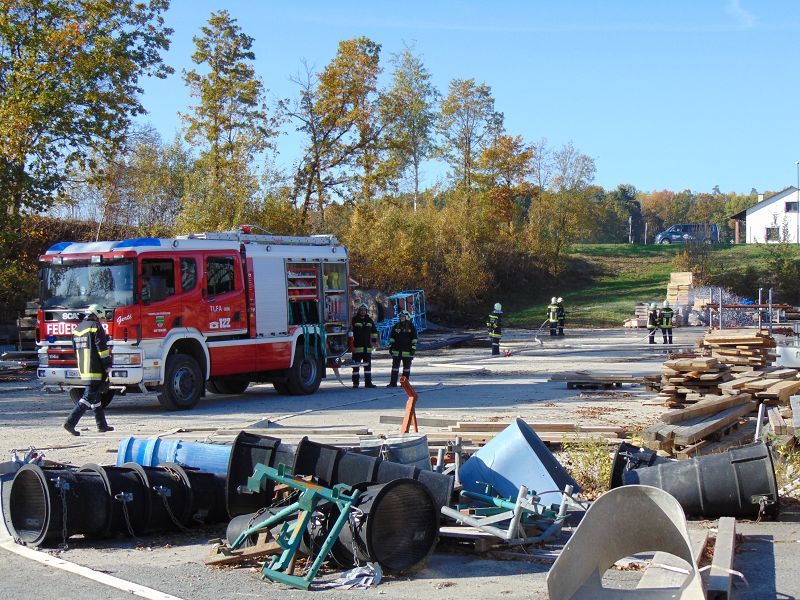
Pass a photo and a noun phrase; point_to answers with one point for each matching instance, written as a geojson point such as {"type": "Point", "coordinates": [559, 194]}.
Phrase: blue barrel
{"type": "Point", "coordinates": [151, 452]}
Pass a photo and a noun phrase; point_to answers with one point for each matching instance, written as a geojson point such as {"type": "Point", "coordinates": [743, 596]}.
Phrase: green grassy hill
{"type": "Point", "coordinates": [603, 282]}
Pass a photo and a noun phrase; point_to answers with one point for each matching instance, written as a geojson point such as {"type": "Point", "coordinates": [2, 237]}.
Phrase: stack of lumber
{"type": "Point", "coordinates": [679, 289]}
{"type": "Point", "coordinates": [770, 384]}
{"type": "Point", "coordinates": [686, 380]}
{"type": "Point", "coordinates": [743, 349]}
{"type": "Point", "coordinates": [683, 433]}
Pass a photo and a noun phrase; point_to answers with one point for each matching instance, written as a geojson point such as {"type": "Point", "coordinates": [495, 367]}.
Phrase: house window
{"type": "Point", "coordinates": [773, 234]}
{"type": "Point", "coordinates": [791, 207]}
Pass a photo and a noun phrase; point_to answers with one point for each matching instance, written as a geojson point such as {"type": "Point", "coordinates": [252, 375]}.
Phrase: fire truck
{"type": "Point", "coordinates": [202, 312]}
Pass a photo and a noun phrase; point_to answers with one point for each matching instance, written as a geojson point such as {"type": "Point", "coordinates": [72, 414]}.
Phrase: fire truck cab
{"type": "Point", "coordinates": [209, 311]}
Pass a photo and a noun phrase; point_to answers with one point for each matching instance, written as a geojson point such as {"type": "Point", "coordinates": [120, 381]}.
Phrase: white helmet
{"type": "Point", "coordinates": [96, 310]}
{"type": "Point", "coordinates": [652, 305]}
{"type": "Point", "coordinates": [498, 307]}
{"type": "Point", "coordinates": [553, 300]}
{"type": "Point", "coordinates": [405, 314]}
{"type": "Point", "coordinates": [666, 303]}
{"type": "Point", "coordinates": [560, 300]}
{"type": "Point", "coordinates": [363, 305]}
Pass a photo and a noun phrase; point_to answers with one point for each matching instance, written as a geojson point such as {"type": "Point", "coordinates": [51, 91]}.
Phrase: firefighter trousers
{"type": "Point", "coordinates": [364, 358]}
{"type": "Point", "coordinates": [495, 344]}
{"type": "Point", "coordinates": [666, 332]}
{"type": "Point", "coordinates": [406, 360]}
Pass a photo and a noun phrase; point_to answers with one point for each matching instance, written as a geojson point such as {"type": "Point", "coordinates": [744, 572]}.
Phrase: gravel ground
{"type": "Point", "coordinates": [462, 383]}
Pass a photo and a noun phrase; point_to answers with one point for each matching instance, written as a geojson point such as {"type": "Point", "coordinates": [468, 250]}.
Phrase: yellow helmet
{"type": "Point", "coordinates": [96, 310]}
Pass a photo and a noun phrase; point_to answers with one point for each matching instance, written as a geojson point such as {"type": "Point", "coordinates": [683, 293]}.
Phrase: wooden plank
{"type": "Point", "coordinates": [686, 435]}
{"type": "Point", "coordinates": [720, 577]}
{"type": "Point", "coordinates": [780, 391]}
{"type": "Point", "coordinates": [421, 421]}
{"type": "Point", "coordinates": [538, 426]}
{"type": "Point", "coordinates": [686, 452]}
{"type": "Point", "coordinates": [777, 422]}
{"type": "Point", "coordinates": [795, 403]}
{"type": "Point", "coordinates": [783, 374]}
{"type": "Point", "coordinates": [705, 408]}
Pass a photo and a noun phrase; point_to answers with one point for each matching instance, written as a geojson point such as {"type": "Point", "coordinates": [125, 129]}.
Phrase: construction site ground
{"type": "Point", "coordinates": [463, 383]}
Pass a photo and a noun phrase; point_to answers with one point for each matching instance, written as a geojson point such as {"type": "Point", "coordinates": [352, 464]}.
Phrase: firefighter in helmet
{"type": "Point", "coordinates": [402, 346]}
{"type": "Point", "coordinates": [364, 338]}
{"type": "Point", "coordinates": [552, 315]}
{"type": "Point", "coordinates": [495, 327]}
{"type": "Point", "coordinates": [653, 322]}
{"type": "Point", "coordinates": [561, 314]}
{"type": "Point", "coordinates": [94, 359]}
{"type": "Point", "coordinates": [667, 314]}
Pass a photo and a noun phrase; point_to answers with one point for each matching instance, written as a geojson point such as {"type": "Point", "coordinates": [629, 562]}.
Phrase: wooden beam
{"type": "Point", "coordinates": [720, 576]}
{"type": "Point", "coordinates": [702, 408]}
{"type": "Point", "coordinates": [686, 435]}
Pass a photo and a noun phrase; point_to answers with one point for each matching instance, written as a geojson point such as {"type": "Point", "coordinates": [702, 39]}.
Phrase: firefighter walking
{"type": "Point", "coordinates": [402, 346]}
{"type": "Point", "coordinates": [364, 338]}
{"type": "Point", "coordinates": [91, 350]}
{"type": "Point", "coordinates": [552, 315]}
{"type": "Point", "coordinates": [653, 322]}
{"type": "Point", "coordinates": [494, 325]}
{"type": "Point", "coordinates": [667, 315]}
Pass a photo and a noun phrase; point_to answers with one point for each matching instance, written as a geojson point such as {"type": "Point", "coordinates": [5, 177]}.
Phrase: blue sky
{"type": "Point", "coordinates": [662, 95]}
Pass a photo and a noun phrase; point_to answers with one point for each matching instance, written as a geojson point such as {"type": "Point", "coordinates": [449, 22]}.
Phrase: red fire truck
{"type": "Point", "coordinates": [209, 311]}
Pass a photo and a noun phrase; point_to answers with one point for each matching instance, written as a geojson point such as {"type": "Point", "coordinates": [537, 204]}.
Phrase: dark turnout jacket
{"type": "Point", "coordinates": [91, 349]}
{"type": "Point", "coordinates": [403, 339]}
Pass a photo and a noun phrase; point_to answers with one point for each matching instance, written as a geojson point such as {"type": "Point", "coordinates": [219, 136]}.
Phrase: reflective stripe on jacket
{"type": "Point", "coordinates": [91, 349]}
{"type": "Point", "coordinates": [365, 333]}
{"type": "Point", "coordinates": [493, 323]}
{"type": "Point", "coordinates": [403, 339]}
{"type": "Point", "coordinates": [653, 319]}
{"type": "Point", "coordinates": [666, 317]}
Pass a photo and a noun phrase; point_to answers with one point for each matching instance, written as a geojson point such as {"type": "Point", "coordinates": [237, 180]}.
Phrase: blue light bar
{"type": "Point", "coordinates": [58, 247]}
{"type": "Point", "coordinates": [135, 243]}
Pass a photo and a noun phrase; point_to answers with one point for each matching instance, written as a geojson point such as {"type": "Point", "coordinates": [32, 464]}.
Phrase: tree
{"type": "Point", "coordinates": [504, 168]}
{"type": "Point", "coordinates": [336, 111]}
{"type": "Point", "coordinates": [230, 125]}
{"type": "Point", "coordinates": [468, 123]}
{"type": "Point", "coordinates": [69, 87]}
{"type": "Point", "coordinates": [408, 109]}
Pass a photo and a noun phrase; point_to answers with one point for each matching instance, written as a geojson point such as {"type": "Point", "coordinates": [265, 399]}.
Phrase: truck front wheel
{"type": "Point", "coordinates": [305, 374]}
{"type": "Point", "coordinates": [183, 383]}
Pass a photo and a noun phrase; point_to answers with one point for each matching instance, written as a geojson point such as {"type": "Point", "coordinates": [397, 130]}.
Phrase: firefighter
{"type": "Point", "coordinates": [653, 322]}
{"type": "Point", "coordinates": [402, 346]}
{"type": "Point", "coordinates": [94, 359]}
{"type": "Point", "coordinates": [495, 328]}
{"type": "Point", "coordinates": [364, 338]}
{"type": "Point", "coordinates": [552, 315]}
{"type": "Point", "coordinates": [561, 314]}
{"type": "Point", "coordinates": [667, 315]}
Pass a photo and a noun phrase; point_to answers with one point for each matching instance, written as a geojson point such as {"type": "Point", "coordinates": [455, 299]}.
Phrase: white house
{"type": "Point", "coordinates": [771, 220]}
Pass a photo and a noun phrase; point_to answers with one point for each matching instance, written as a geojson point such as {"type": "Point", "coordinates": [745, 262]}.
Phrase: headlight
{"type": "Point", "coordinates": [44, 360]}
{"type": "Point", "coordinates": [127, 359]}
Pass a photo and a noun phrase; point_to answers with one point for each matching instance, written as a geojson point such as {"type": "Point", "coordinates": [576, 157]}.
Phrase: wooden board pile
{"type": "Point", "coordinates": [687, 380]}
{"type": "Point", "coordinates": [683, 433]}
{"type": "Point", "coordinates": [679, 289]}
{"type": "Point", "coordinates": [769, 384]}
{"type": "Point", "coordinates": [742, 349]}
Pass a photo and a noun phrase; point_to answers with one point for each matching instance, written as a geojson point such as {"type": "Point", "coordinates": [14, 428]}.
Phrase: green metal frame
{"type": "Point", "coordinates": [291, 535]}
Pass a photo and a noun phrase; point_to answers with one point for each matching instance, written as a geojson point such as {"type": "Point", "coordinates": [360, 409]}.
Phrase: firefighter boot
{"type": "Point", "coordinates": [74, 417]}
{"type": "Point", "coordinates": [393, 381]}
{"type": "Point", "coordinates": [100, 420]}
{"type": "Point", "coordinates": [368, 380]}
{"type": "Point", "coordinates": [356, 379]}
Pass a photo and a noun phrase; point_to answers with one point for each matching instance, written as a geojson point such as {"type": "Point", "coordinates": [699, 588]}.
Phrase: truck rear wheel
{"type": "Point", "coordinates": [281, 387]}
{"type": "Point", "coordinates": [183, 383]}
{"type": "Point", "coordinates": [75, 394]}
{"type": "Point", "coordinates": [305, 374]}
{"type": "Point", "coordinates": [228, 385]}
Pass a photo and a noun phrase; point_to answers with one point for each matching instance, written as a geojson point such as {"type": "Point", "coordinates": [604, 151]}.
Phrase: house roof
{"type": "Point", "coordinates": [742, 214]}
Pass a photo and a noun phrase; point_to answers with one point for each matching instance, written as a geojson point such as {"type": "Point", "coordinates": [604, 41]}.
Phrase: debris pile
{"type": "Point", "coordinates": [687, 380]}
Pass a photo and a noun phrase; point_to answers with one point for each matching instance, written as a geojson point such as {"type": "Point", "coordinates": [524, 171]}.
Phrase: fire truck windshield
{"type": "Point", "coordinates": [81, 283]}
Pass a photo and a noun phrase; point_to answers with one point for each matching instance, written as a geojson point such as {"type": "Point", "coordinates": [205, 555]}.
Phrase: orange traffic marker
{"type": "Point", "coordinates": [411, 403]}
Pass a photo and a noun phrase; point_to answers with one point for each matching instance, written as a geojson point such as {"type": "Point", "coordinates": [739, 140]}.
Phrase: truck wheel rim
{"type": "Point", "coordinates": [183, 383]}
{"type": "Point", "coordinates": [308, 371]}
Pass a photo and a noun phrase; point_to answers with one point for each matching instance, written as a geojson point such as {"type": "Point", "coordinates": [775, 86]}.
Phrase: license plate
{"type": "Point", "coordinates": [73, 374]}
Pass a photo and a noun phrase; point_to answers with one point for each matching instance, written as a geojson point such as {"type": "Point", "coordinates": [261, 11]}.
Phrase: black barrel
{"type": "Point", "coordinates": [629, 457]}
{"type": "Point", "coordinates": [170, 497]}
{"type": "Point", "coordinates": [39, 498]}
{"type": "Point", "coordinates": [130, 498]}
{"type": "Point", "coordinates": [729, 484]}
{"type": "Point", "coordinates": [206, 492]}
{"type": "Point", "coordinates": [7, 472]}
{"type": "Point", "coordinates": [396, 525]}
{"type": "Point", "coordinates": [354, 468]}
{"type": "Point", "coordinates": [248, 451]}
{"type": "Point", "coordinates": [317, 460]}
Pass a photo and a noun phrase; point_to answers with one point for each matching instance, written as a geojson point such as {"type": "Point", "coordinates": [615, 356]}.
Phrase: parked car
{"type": "Point", "coordinates": [708, 233]}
